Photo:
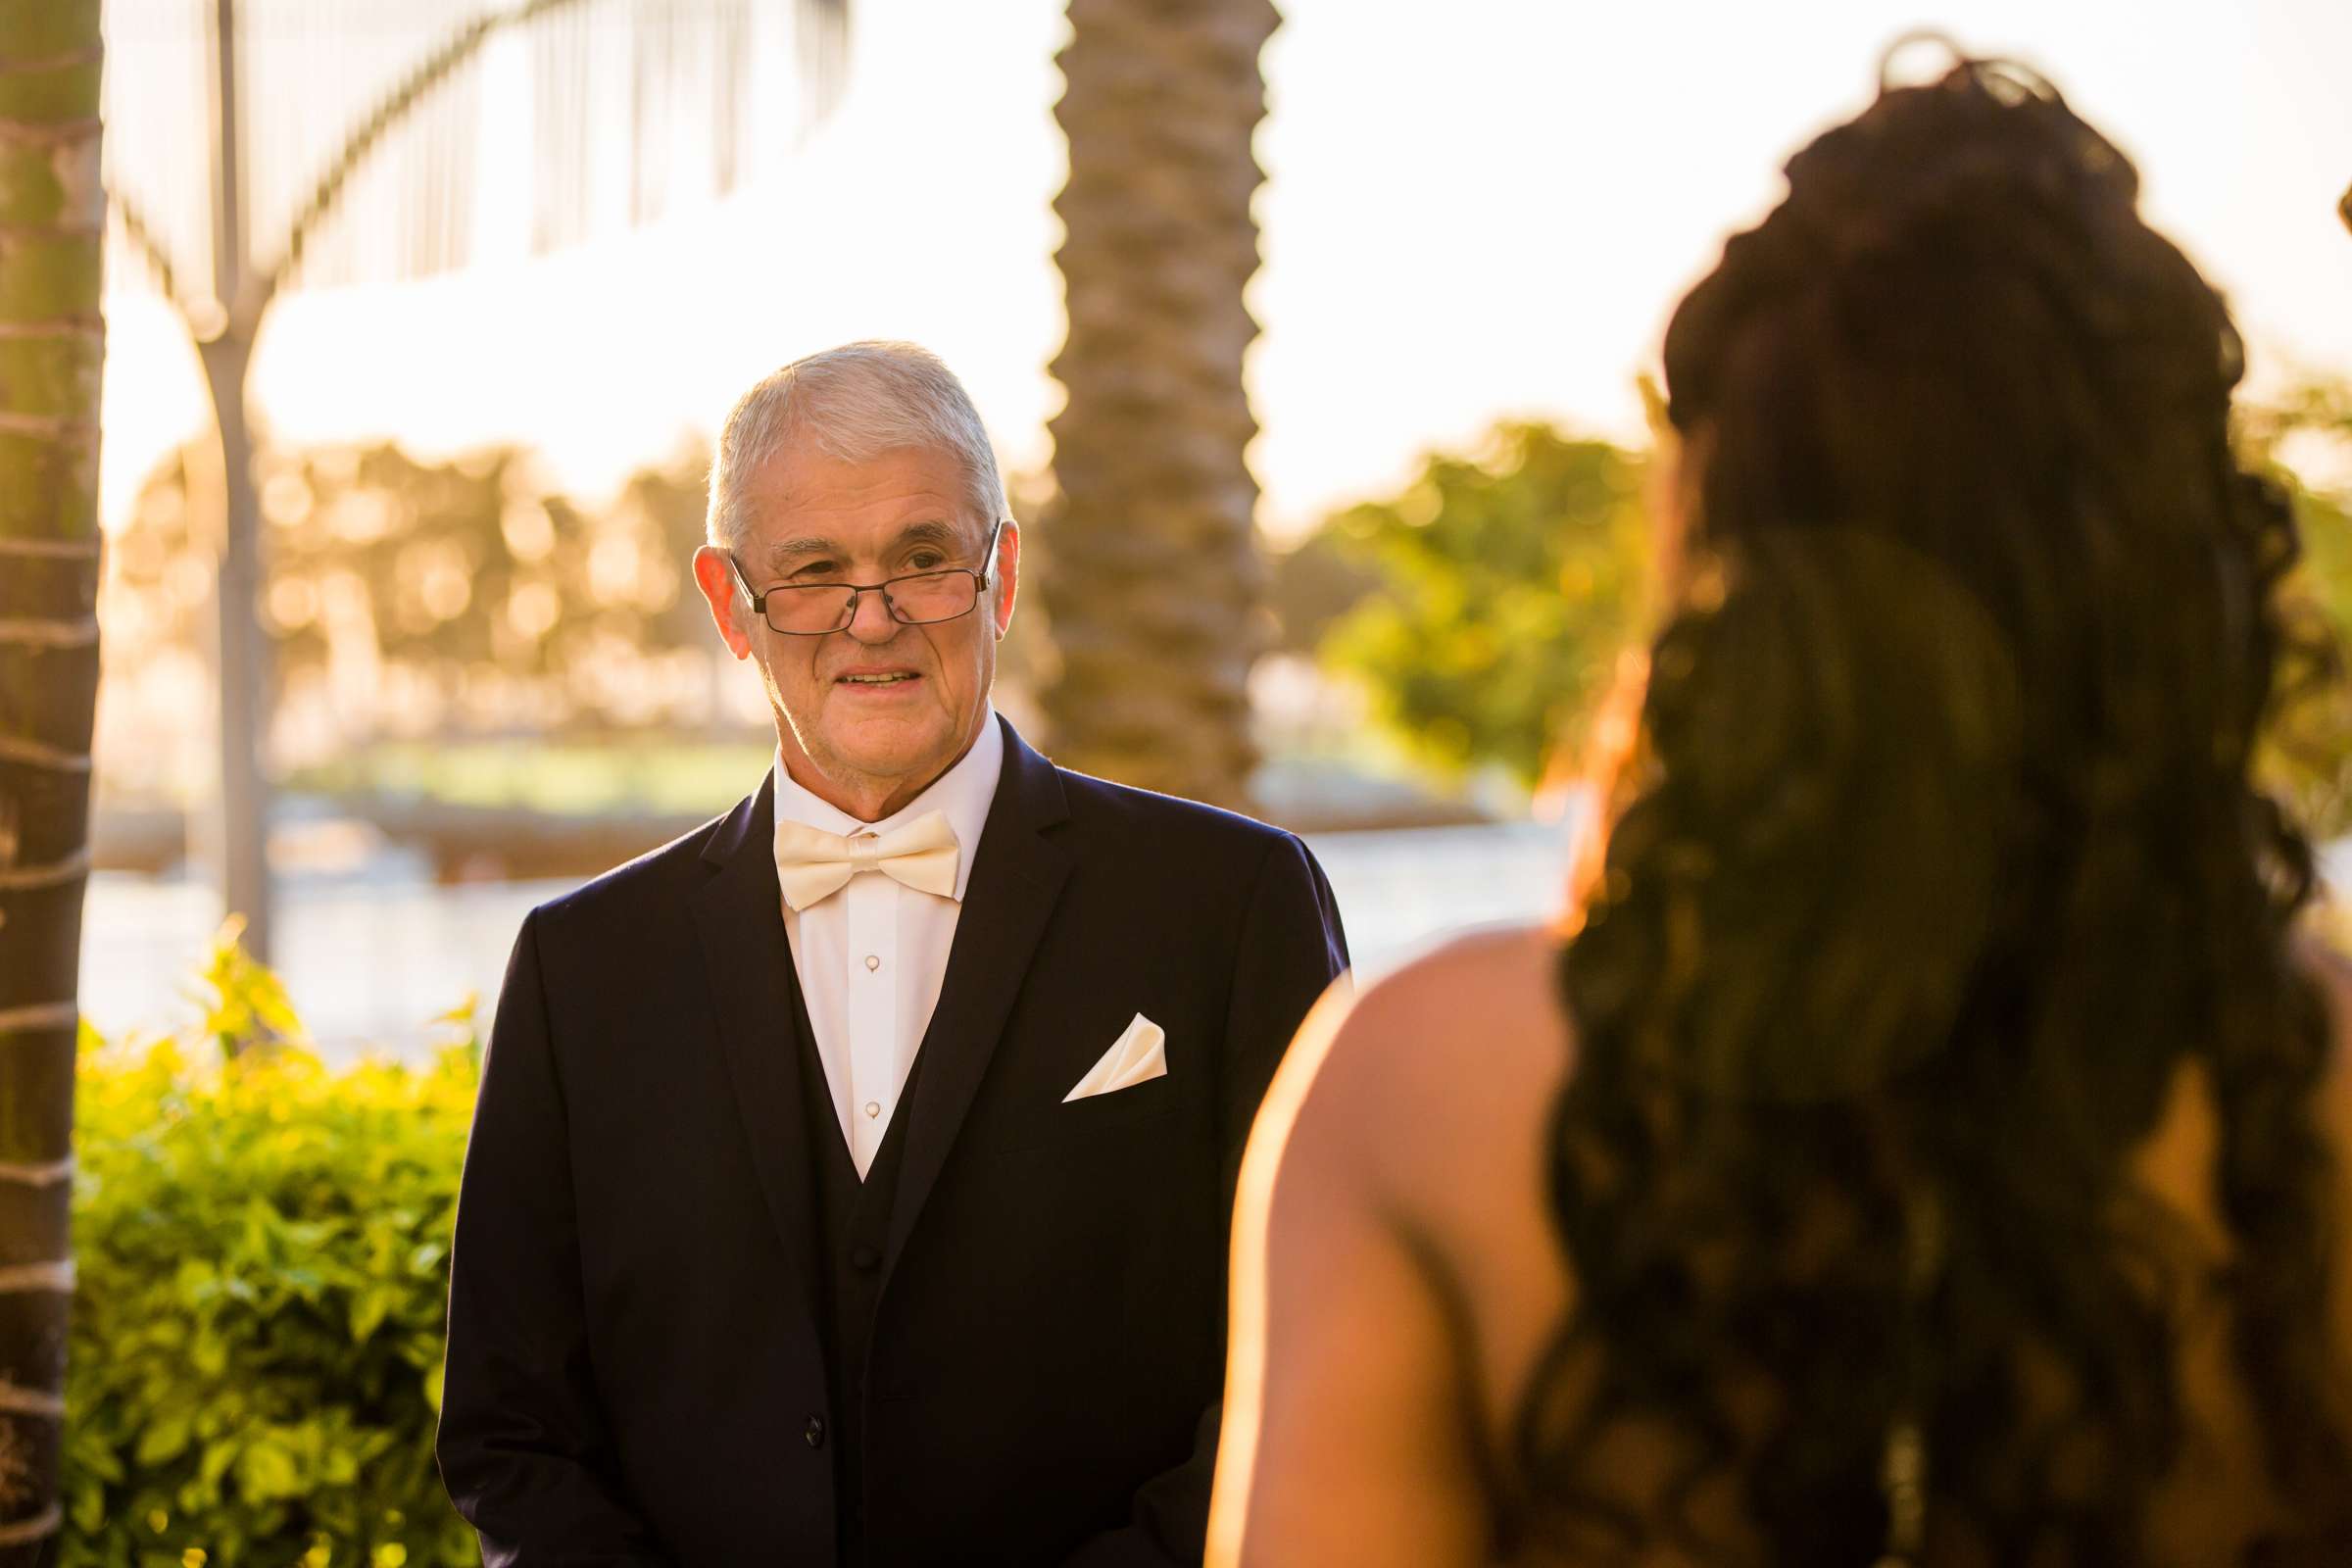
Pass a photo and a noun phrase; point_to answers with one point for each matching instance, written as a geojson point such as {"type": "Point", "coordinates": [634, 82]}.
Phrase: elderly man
{"type": "Point", "coordinates": [851, 1177]}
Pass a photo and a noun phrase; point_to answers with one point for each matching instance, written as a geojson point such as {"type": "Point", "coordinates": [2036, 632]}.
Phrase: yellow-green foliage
{"type": "Point", "coordinates": [263, 1248]}
{"type": "Point", "coordinates": [1510, 583]}
{"type": "Point", "coordinates": [2304, 440]}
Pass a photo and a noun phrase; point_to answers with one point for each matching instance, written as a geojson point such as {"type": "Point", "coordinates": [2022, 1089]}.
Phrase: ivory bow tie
{"type": "Point", "coordinates": [811, 864]}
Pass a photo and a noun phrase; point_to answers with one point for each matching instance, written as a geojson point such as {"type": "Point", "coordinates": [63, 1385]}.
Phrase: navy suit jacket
{"type": "Point", "coordinates": [636, 1373]}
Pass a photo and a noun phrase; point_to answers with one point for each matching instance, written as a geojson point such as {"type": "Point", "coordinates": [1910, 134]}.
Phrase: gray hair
{"type": "Point", "coordinates": [853, 404]}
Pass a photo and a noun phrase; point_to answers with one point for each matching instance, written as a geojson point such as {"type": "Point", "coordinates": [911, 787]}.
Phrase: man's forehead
{"type": "Point", "coordinates": [801, 475]}
{"type": "Point", "coordinates": [894, 487]}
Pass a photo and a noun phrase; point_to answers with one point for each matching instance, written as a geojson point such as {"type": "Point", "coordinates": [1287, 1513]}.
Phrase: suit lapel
{"type": "Point", "coordinates": [1017, 874]}
{"type": "Point", "coordinates": [755, 991]}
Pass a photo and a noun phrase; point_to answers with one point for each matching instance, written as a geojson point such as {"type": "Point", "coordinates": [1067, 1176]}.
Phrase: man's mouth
{"type": "Point", "coordinates": [892, 679]}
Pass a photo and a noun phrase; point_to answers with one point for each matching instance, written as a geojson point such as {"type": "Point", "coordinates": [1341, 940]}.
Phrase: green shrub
{"type": "Point", "coordinates": [263, 1248]}
{"type": "Point", "coordinates": [1509, 584]}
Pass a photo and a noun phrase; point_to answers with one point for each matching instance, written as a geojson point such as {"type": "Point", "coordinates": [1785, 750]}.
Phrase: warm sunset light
{"type": "Point", "coordinates": [1463, 220]}
{"type": "Point", "coordinates": [1174, 783]}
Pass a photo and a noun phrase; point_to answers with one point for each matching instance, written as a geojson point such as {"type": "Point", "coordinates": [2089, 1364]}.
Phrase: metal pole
{"type": "Point", "coordinates": [240, 839]}
{"type": "Point", "coordinates": [228, 207]}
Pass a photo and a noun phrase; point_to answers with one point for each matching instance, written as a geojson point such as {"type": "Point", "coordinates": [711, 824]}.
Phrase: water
{"type": "Point", "coordinates": [372, 956]}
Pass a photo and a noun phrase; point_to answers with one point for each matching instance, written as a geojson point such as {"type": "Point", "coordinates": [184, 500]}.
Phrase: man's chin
{"type": "Point", "coordinates": [894, 752]}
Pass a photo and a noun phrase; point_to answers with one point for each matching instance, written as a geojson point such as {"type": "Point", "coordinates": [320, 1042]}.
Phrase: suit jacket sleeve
{"type": "Point", "coordinates": [1291, 950]}
{"type": "Point", "coordinates": [523, 1445]}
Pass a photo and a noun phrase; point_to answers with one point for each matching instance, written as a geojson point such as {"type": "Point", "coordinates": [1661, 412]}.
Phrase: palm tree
{"type": "Point", "coordinates": [1154, 596]}
{"type": "Point", "coordinates": [266, 214]}
{"type": "Point", "coordinates": [53, 212]}
{"type": "Point", "coordinates": [53, 225]}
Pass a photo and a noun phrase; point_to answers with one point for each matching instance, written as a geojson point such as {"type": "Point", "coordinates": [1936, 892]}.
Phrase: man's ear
{"type": "Point", "coordinates": [1007, 583]}
{"type": "Point", "coordinates": [729, 611]}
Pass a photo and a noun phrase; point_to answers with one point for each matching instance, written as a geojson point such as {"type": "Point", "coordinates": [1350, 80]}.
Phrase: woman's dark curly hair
{"type": "Point", "coordinates": [1940, 871]}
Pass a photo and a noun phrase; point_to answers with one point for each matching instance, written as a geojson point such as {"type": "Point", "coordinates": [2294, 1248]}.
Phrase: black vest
{"type": "Point", "coordinates": [852, 1222]}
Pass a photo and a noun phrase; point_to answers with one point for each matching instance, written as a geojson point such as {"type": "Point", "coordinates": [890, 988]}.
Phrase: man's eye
{"type": "Point", "coordinates": [925, 561]}
{"type": "Point", "coordinates": [813, 571]}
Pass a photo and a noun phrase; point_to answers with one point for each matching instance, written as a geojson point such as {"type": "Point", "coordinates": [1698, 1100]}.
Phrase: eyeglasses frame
{"type": "Point", "coordinates": [983, 577]}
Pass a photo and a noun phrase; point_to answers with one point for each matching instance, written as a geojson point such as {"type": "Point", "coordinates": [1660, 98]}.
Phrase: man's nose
{"type": "Point", "coordinates": [869, 621]}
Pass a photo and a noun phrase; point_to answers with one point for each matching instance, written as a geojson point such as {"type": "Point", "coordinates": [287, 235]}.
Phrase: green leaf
{"type": "Point", "coordinates": [196, 1281]}
{"type": "Point", "coordinates": [366, 1313]}
{"type": "Point", "coordinates": [163, 1441]}
{"type": "Point", "coordinates": [259, 1242]}
{"type": "Point", "coordinates": [219, 1456]}
{"type": "Point", "coordinates": [267, 1472]}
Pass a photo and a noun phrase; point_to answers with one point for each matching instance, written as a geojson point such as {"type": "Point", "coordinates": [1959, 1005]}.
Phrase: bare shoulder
{"type": "Point", "coordinates": [1421, 1071]}
{"type": "Point", "coordinates": [1367, 1321]}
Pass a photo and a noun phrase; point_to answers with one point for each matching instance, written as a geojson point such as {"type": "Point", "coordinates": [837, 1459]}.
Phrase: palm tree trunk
{"type": "Point", "coordinates": [1156, 588]}
{"type": "Point", "coordinates": [52, 213]}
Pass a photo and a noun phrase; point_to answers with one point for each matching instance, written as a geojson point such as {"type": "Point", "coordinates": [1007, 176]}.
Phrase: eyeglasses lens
{"type": "Point", "coordinates": [915, 601]}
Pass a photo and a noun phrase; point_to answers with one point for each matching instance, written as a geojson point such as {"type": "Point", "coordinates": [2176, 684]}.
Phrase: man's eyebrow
{"type": "Point", "coordinates": [784, 549]}
{"type": "Point", "coordinates": [927, 532]}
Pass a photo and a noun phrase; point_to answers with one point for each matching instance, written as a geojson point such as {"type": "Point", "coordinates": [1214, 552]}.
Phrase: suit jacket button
{"type": "Point", "coordinates": [816, 1431]}
{"type": "Point", "coordinates": [864, 1259]}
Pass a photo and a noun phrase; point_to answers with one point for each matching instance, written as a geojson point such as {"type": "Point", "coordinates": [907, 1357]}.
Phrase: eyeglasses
{"type": "Point", "coordinates": [918, 599]}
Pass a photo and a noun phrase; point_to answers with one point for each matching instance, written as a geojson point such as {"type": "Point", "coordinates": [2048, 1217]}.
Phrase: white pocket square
{"type": "Point", "coordinates": [1139, 1056]}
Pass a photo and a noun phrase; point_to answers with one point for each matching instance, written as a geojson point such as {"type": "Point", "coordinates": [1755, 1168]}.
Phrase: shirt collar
{"type": "Point", "coordinates": [963, 792]}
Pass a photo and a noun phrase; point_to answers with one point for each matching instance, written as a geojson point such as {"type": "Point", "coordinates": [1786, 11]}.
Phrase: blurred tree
{"type": "Point", "coordinates": [410, 599]}
{"type": "Point", "coordinates": [1154, 594]}
{"type": "Point", "coordinates": [2303, 437]}
{"type": "Point", "coordinates": [1315, 583]}
{"type": "Point", "coordinates": [52, 228]}
{"type": "Point", "coordinates": [684, 77]}
{"type": "Point", "coordinates": [1508, 585]}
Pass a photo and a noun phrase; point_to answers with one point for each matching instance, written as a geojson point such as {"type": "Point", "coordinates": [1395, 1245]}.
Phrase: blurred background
{"type": "Point", "coordinates": [1333, 478]}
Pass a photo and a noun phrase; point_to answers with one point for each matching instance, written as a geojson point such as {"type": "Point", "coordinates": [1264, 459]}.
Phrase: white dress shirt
{"type": "Point", "coordinates": [871, 957]}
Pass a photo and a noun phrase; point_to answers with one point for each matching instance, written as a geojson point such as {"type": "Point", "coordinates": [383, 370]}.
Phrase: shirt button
{"type": "Point", "coordinates": [872, 962]}
{"type": "Point", "coordinates": [864, 1259]}
{"type": "Point", "coordinates": [816, 1433]}
{"type": "Point", "coordinates": [873, 1108]}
